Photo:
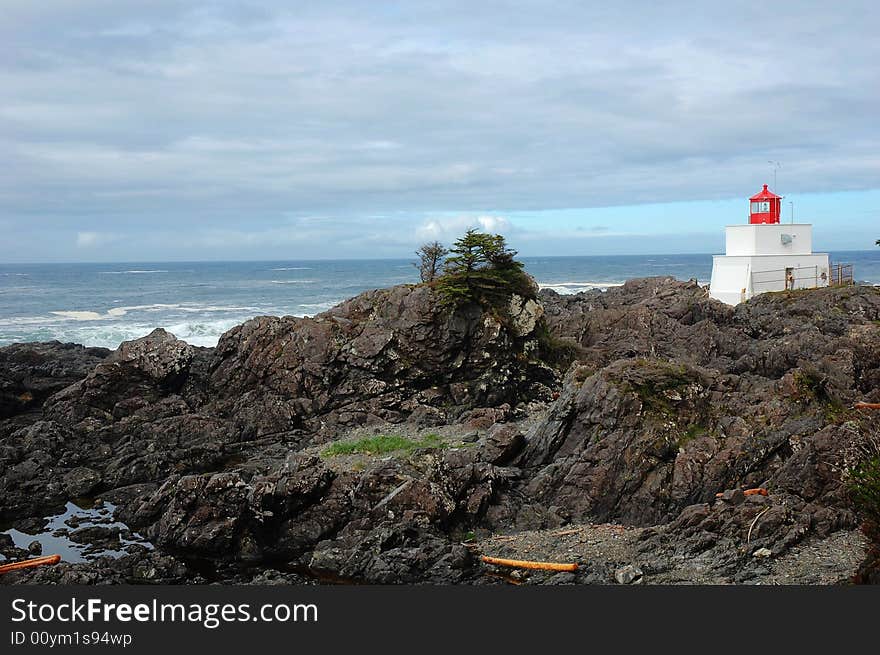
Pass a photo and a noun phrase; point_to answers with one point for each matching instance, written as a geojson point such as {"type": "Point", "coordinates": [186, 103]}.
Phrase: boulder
{"type": "Point", "coordinates": [81, 480]}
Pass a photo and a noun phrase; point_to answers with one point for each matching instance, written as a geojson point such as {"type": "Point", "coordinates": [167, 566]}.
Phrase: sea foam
{"type": "Point", "coordinates": [569, 288]}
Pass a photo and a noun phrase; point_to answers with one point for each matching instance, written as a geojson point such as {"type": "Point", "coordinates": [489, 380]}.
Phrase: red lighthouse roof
{"type": "Point", "coordinates": [764, 194]}
{"type": "Point", "coordinates": [764, 207]}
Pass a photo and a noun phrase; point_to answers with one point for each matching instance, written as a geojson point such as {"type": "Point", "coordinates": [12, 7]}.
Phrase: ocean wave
{"type": "Point", "coordinates": [118, 312]}
{"type": "Point", "coordinates": [203, 333]}
{"type": "Point", "coordinates": [111, 334]}
{"type": "Point", "coordinates": [292, 268]}
{"type": "Point", "coordinates": [570, 288]}
{"type": "Point", "coordinates": [134, 272]}
{"type": "Point", "coordinates": [292, 281]}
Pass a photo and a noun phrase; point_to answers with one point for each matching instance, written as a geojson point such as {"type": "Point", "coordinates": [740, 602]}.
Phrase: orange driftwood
{"type": "Point", "coordinates": [866, 406]}
{"type": "Point", "coordinates": [758, 491]}
{"type": "Point", "coordinates": [30, 563]}
{"type": "Point", "coordinates": [525, 564]}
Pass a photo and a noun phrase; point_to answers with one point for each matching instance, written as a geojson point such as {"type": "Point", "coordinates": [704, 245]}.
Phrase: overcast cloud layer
{"type": "Point", "coordinates": [152, 129]}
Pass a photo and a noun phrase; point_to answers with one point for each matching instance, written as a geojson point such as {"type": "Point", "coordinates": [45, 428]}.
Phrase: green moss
{"type": "Point", "coordinates": [382, 444]}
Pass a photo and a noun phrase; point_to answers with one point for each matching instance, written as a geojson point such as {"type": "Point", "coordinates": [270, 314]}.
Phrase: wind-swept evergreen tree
{"type": "Point", "coordinates": [480, 267]}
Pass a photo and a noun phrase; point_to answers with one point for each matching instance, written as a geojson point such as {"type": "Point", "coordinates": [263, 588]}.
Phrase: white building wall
{"type": "Point", "coordinates": [769, 239]}
{"type": "Point", "coordinates": [737, 278]}
{"type": "Point", "coordinates": [730, 279]}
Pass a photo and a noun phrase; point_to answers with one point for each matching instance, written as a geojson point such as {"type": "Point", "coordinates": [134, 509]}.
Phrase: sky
{"type": "Point", "coordinates": [151, 130]}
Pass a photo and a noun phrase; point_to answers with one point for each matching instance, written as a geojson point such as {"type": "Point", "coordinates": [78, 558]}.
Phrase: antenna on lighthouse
{"type": "Point", "coordinates": [776, 167]}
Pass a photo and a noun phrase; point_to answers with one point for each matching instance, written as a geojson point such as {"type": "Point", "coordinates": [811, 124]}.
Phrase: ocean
{"type": "Point", "coordinates": [105, 304]}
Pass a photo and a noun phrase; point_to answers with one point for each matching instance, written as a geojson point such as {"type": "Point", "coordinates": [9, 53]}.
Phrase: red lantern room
{"type": "Point", "coordinates": [764, 207]}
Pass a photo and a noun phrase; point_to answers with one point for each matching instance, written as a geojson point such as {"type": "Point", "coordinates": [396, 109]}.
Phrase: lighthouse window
{"type": "Point", "coordinates": [761, 207]}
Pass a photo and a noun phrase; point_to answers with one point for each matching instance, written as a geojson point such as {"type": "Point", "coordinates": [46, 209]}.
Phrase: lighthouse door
{"type": "Point", "coordinates": [789, 279]}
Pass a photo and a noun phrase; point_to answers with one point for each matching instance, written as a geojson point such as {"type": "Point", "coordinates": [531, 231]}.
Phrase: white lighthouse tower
{"type": "Point", "coordinates": [766, 255]}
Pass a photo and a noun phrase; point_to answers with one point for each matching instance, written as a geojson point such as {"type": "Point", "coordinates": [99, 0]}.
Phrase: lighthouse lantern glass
{"type": "Point", "coordinates": [761, 207]}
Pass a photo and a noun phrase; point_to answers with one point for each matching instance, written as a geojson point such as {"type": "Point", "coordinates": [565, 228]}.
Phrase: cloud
{"type": "Point", "coordinates": [448, 229]}
{"type": "Point", "coordinates": [212, 118]}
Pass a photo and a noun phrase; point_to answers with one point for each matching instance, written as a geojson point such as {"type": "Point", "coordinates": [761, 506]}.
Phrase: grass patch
{"type": "Point", "coordinates": [382, 444]}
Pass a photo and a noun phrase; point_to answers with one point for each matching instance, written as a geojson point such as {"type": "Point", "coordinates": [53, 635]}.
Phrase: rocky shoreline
{"type": "Point", "coordinates": [615, 429]}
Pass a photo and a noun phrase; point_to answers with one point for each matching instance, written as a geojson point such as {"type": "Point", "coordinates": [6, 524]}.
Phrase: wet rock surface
{"type": "Point", "coordinates": [644, 450]}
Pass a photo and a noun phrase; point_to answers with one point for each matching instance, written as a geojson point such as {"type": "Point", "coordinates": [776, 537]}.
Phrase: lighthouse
{"type": "Point", "coordinates": [766, 255]}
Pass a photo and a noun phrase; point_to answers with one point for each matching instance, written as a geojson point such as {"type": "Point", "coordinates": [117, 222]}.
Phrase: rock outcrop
{"type": "Point", "coordinates": [678, 399]}
{"type": "Point", "coordinates": [675, 406]}
{"type": "Point", "coordinates": [376, 358]}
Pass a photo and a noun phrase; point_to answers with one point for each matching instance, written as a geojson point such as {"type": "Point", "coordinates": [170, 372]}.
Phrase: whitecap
{"type": "Point", "coordinates": [292, 268]}
{"type": "Point", "coordinates": [80, 315]}
{"type": "Point", "coordinates": [568, 288]}
{"type": "Point", "coordinates": [87, 315]}
{"type": "Point", "coordinates": [292, 281]}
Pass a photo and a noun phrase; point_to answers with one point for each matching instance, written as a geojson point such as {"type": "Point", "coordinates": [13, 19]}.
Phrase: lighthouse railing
{"type": "Point", "coordinates": [801, 277]}
{"type": "Point", "coordinates": [786, 279]}
{"type": "Point", "coordinates": [841, 275]}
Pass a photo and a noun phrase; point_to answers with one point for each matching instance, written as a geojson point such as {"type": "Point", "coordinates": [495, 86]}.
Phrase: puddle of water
{"type": "Point", "coordinates": [81, 517]}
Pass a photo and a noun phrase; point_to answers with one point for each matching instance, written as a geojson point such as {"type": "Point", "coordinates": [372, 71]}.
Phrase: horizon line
{"type": "Point", "coordinates": [364, 259]}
